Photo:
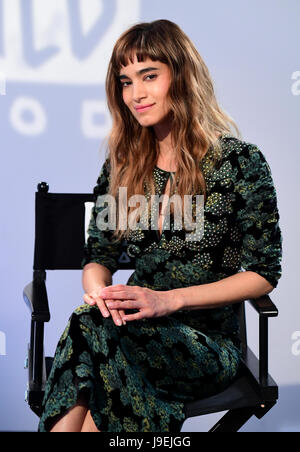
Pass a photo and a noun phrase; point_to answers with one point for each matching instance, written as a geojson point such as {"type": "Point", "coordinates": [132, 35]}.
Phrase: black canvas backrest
{"type": "Point", "coordinates": [60, 220]}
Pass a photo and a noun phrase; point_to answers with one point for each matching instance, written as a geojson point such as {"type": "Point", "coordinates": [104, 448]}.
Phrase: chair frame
{"type": "Point", "coordinates": [254, 392]}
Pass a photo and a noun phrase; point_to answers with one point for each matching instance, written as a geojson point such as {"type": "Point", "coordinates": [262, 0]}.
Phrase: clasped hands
{"type": "Point", "coordinates": [115, 299]}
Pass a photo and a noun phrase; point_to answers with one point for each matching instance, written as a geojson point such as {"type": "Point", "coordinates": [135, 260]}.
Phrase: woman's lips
{"type": "Point", "coordinates": [141, 109]}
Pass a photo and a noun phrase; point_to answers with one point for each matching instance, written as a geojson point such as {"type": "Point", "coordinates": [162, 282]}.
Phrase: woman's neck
{"type": "Point", "coordinates": [166, 157]}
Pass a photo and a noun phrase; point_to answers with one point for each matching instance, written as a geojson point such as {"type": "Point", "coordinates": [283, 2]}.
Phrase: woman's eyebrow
{"type": "Point", "coordinates": [147, 69]}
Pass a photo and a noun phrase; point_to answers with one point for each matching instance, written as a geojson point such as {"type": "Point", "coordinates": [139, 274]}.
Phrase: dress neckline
{"type": "Point", "coordinates": [165, 171]}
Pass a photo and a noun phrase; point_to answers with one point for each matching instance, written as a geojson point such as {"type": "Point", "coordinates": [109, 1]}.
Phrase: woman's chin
{"type": "Point", "coordinates": [146, 122]}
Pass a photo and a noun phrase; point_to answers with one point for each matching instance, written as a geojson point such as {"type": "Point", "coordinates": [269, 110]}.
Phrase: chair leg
{"type": "Point", "coordinates": [233, 420]}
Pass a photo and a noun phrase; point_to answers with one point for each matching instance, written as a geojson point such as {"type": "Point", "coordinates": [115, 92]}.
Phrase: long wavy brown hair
{"type": "Point", "coordinates": [197, 119]}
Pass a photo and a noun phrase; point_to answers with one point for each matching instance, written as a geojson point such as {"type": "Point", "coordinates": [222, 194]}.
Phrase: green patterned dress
{"type": "Point", "coordinates": [137, 377]}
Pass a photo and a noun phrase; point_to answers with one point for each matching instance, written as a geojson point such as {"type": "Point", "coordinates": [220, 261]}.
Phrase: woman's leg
{"type": "Point", "coordinates": [89, 424]}
{"type": "Point", "coordinates": [73, 420]}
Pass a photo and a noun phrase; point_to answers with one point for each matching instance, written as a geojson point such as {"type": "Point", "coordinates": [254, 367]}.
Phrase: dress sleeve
{"type": "Point", "coordinates": [258, 216]}
{"type": "Point", "coordinates": [100, 246]}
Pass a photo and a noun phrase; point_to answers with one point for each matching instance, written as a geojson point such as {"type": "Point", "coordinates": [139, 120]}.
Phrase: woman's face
{"type": "Point", "coordinates": [145, 87]}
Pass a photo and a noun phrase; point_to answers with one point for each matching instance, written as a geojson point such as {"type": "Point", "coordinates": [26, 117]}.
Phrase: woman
{"type": "Point", "coordinates": [133, 354]}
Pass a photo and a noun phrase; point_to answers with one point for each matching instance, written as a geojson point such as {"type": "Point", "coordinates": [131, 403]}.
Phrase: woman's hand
{"type": "Point", "coordinates": [93, 298]}
{"type": "Point", "coordinates": [150, 303]}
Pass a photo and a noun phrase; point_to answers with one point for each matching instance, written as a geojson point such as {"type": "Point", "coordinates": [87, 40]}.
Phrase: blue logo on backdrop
{"type": "Point", "coordinates": [82, 45]}
{"type": "Point", "coordinates": [47, 48]}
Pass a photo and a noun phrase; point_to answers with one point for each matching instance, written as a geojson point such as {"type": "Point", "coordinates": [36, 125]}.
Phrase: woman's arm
{"type": "Point", "coordinates": [235, 288]}
{"type": "Point", "coordinates": [95, 275]}
{"type": "Point", "coordinates": [101, 254]}
{"type": "Point", "coordinates": [152, 303]}
{"type": "Point", "coordinates": [261, 252]}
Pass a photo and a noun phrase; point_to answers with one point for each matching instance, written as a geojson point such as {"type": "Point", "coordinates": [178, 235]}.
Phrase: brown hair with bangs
{"type": "Point", "coordinates": [197, 119]}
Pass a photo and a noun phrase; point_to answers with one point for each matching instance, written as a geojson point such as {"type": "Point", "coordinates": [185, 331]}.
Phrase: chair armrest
{"type": "Point", "coordinates": [35, 296]}
{"type": "Point", "coordinates": [264, 306]}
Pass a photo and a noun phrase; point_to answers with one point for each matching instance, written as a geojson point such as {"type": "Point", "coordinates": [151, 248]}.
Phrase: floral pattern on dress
{"type": "Point", "coordinates": [137, 377]}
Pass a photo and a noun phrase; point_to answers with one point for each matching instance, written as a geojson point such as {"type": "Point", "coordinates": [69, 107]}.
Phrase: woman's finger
{"type": "Point", "coordinates": [93, 299]}
{"type": "Point", "coordinates": [137, 316]}
{"type": "Point", "coordinates": [106, 312]}
{"type": "Point", "coordinates": [116, 293]}
{"type": "Point", "coordinates": [88, 299]}
{"type": "Point", "coordinates": [113, 304]}
{"type": "Point", "coordinates": [122, 314]}
{"type": "Point", "coordinates": [116, 316]}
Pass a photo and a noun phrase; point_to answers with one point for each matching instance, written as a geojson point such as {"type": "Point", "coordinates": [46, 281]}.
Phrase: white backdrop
{"type": "Point", "coordinates": [53, 61]}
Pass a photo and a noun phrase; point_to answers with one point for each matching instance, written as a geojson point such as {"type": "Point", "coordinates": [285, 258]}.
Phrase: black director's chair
{"type": "Point", "coordinates": [60, 223]}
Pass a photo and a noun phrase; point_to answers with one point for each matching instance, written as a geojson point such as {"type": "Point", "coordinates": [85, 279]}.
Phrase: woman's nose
{"type": "Point", "coordinates": [139, 91]}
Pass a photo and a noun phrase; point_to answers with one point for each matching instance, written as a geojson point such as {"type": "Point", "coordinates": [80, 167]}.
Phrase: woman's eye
{"type": "Point", "coordinates": [151, 75]}
{"type": "Point", "coordinates": [124, 84]}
